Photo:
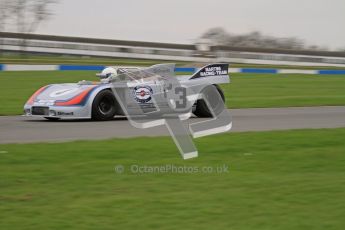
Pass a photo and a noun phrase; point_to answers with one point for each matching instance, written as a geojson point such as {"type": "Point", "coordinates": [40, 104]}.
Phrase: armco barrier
{"type": "Point", "coordinates": [16, 67]}
{"type": "Point", "coordinates": [185, 69]}
{"type": "Point", "coordinates": [258, 70]}
{"type": "Point", "coordinates": [81, 67]}
{"type": "Point", "coordinates": [336, 71]}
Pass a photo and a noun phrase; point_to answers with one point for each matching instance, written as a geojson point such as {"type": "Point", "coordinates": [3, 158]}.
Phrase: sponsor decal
{"type": "Point", "coordinates": [213, 71]}
{"type": "Point", "coordinates": [143, 94]}
{"type": "Point", "coordinates": [63, 92]}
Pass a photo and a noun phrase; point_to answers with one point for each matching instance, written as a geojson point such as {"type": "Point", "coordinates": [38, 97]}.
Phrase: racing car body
{"type": "Point", "coordinates": [96, 100]}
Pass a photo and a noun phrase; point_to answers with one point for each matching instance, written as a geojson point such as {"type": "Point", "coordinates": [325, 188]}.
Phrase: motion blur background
{"type": "Point", "coordinates": [265, 32]}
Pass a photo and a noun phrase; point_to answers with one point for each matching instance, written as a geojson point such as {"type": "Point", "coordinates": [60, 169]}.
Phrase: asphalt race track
{"type": "Point", "coordinates": [19, 129]}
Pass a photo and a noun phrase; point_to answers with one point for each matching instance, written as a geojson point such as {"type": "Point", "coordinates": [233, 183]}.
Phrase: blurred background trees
{"type": "Point", "coordinates": [255, 39]}
{"type": "Point", "coordinates": [23, 16]}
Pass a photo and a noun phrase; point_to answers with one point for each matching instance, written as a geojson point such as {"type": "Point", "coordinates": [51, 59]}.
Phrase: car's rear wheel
{"type": "Point", "coordinates": [104, 106]}
{"type": "Point", "coordinates": [211, 93]}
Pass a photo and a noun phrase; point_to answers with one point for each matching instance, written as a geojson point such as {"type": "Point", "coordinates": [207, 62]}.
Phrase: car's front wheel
{"type": "Point", "coordinates": [104, 106]}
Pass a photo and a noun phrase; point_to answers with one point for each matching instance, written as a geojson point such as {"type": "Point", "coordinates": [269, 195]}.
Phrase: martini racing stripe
{"type": "Point", "coordinates": [34, 96]}
{"type": "Point", "coordinates": [78, 100]}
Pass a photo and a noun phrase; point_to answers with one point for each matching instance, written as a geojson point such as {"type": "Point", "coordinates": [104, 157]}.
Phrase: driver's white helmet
{"type": "Point", "coordinates": [108, 72]}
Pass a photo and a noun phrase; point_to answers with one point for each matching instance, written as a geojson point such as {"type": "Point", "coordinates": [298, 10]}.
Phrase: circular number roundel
{"type": "Point", "coordinates": [142, 94]}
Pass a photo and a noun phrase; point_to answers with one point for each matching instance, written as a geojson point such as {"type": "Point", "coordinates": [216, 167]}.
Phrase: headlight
{"type": "Point", "coordinates": [27, 111]}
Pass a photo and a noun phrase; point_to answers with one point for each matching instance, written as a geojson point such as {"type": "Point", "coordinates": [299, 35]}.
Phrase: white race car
{"type": "Point", "coordinates": [99, 100]}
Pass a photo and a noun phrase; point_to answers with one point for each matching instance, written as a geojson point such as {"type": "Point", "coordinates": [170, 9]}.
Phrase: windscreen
{"type": "Point", "coordinates": [153, 73]}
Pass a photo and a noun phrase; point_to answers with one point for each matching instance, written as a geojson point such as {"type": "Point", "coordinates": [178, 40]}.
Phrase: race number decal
{"type": "Point", "coordinates": [143, 94]}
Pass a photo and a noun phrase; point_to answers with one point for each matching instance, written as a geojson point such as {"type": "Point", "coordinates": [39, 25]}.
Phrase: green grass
{"type": "Point", "coordinates": [16, 87]}
{"type": "Point", "coordinates": [245, 91]}
{"type": "Point", "coordinates": [278, 180]}
{"type": "Point", "coordinates": [284, 90]}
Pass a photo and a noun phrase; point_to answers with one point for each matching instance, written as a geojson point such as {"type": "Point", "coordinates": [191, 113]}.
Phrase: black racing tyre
{"type": "Point", "coordinates": [104, 106]}
{"type": "Point", "coordinates": [52, 118]}
{"type": "Point", "coordinates": [202, 110]}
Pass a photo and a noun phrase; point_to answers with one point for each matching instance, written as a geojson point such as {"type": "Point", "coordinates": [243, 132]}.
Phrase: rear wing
{"type": "Point", "coordinates": [212, 70]}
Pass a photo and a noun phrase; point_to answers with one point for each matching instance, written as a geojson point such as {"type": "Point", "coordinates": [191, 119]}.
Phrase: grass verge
{"type": "Point", "coordinates": [245, 91]}
{"type": "Point", "coordinates": [277, 180]}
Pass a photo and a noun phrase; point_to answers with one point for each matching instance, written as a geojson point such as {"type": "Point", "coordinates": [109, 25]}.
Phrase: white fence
{"type": "Point", "coordinates": [160, 51]}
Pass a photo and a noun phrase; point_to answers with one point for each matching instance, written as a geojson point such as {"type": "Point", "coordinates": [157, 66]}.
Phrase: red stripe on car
{"type": "Point", "coordinates": [75, 100]}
